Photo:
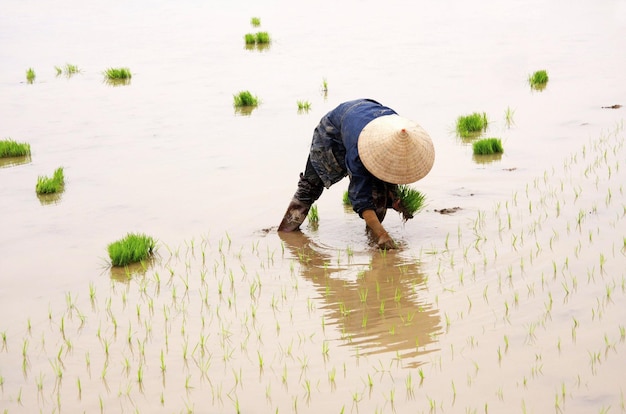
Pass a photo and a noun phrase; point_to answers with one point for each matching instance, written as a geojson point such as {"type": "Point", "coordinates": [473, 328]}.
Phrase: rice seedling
{"type": "Point", "coordinates": [258, 38]}
{"type": "Point", "coordinates": [324, 85]}
{"type": "Point", "coordinates": [538, 79]}
{"type": "Point", "coordinates": [245, 99]}
{"type": "Point", "coordinates": [117, 76]}
{"type": "Point", "coordinates": [133, 248]}
{"type": "Point", "coordinates": [50, 185]}
{"type": "Point", "coordinates": [255, 21]}
{"type": "Point", "coordinates": [71, 69]}
{"type": "Point", "coordinates": [346, 199]}
{"type": "Point", "coordinates": [30, 75]}
{"type": "Point", "coordinates": [471, 125]}
{"type": "Point", "coordinates": [118, 73]}
{"type": "Point", "coordinates": [313, 215]}
{"type": "Point", "coordinates": [249, 38]}
{"type": "Point", "coordinates": [487, 146]}
{"type": "Point", "coordinates": [68, 70]}
{"type": "Point", "coordinates": [508, 116]}
{"type": "Point", "coordinates": [10, 148]}
{"type": "Point", "coordinates": [304, 106]}
{"type": "Point", "coordinates": [262, 38]}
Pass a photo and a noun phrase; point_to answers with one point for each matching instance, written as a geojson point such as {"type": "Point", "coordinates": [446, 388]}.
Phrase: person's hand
{"type": "Point", "coordinates": [385, 242]}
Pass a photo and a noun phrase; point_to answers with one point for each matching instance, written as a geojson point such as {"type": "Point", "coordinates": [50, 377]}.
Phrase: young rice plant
{"type": "Point", "coordinates": [304, 106]}
{"type": "Point", "coordinates": [30, 75]}
{"type": "Point", "coordinates": [313, 215]}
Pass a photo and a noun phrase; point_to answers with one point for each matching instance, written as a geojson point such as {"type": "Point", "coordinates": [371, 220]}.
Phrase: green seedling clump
{"type": "Point", "coordinates": [259, 38]}
{"type": "Point", "coordinates": [255, 21]}
{"type": "Point", "coordinates": [469, 125]}
{"type": "Point", "coordinates": [118, 74]}
{"type": "Point", "coordinates": [539, 79]}
{"type": "Point", "coordinates": [131, 249]}
{"type": "Point", "coordinates": [262, 37]}
{"type": "Point", "coordinates": [68, 70]}
{"type": "Point", "coordinates": [50, 185]}
{"type": "Point", "coordinates": [346, 199]}
{"type": "Point", "coordinates": [412, 200]}
{"type": "Point", "coordinates": [250, 39]}
{"type": "Point", "coordinates": [488, 146]}
{"type": "Point", "coordinates": [30, 75]}
{"type": "Point", "coordinates": [304, 106]}
{"type": "Point", "coordinates": [10, 148]}
{"type": "Point", "coordinates": [245, 98]}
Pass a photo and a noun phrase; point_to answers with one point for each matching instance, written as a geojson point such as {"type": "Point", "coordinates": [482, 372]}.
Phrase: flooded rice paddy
{"type": "Point", "coordinates": [513, 301]}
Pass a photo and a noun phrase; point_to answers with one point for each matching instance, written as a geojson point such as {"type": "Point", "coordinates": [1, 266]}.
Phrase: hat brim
{"type": "Point", "coordinates": [396, 150]}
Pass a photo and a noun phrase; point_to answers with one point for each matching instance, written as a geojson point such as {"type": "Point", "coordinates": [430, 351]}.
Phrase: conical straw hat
{"type": "Point", "coordinates": [396, 150]}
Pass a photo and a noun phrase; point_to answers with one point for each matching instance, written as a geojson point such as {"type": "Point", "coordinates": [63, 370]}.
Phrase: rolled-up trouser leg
{"type": "Point", "coordinates": [310, 188]}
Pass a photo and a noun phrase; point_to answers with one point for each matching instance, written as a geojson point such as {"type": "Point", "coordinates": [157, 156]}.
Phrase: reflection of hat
{"type": "Point", "coordinates": [396, 150]}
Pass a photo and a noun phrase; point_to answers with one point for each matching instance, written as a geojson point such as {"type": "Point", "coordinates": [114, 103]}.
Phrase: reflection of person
{"type": "Point", "coordinates": [376, 309]}
{"type": "Point", "coordinates": [377, 148]}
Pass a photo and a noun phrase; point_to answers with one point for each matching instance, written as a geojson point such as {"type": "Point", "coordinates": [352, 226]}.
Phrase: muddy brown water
{"type": "Point", "coordinates": [514, 302]}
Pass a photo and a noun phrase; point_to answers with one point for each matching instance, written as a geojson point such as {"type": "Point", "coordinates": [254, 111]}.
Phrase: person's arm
{"type": "Point", "coordinates": [383, 240]}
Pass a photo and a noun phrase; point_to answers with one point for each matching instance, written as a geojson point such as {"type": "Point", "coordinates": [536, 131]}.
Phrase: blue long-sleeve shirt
{"type": "Point", "coordinates": [334, 150]}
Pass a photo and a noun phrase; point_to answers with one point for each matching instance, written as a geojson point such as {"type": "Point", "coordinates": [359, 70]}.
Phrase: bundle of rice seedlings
{"type": "Point", "coordinates": [412, 200]}
{"type": "Point", "coordinates": [10, 148]}
{"type": "Point", "coordinates": [118, 73]}
{"type": "Point", "coordinates": [133, 248]}
{"type": "Point", "coordinates": [30, 75]}
{"type": "Point", "coordinates": [469, 125]}
{"type": "Point", "coordinates": [245, 98]}
{"type": "Point", "coordinates": [538, 79]}
{"type": "Point", "coordinates": [50, 185]}
{"type": "Point", "coordinates": [258, 38]}
{"type": "Point", "coordinates": [488, 146]}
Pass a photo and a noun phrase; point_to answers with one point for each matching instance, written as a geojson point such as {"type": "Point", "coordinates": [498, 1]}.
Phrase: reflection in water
{"type": "Point", "coordinates": [12, 161]}
{"type": "Point", "coordinates": [259, 47]}
{"type": "Point", "coordinates": [373, 303]}
{"type": "Point", "coordinates": [117, 82]}
{"type": "Point", "coordinates": [124, 274]}
{"type": "Point", "coordinates": [244, 110]}
{"type": "Point", "coordinates": [51, 198]}
{"type": "Point", "coordinates": [486, 158]}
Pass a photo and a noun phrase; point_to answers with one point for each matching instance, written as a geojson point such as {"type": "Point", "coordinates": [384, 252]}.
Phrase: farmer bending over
{"type": "Point", "coordinates": [377, 149]}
